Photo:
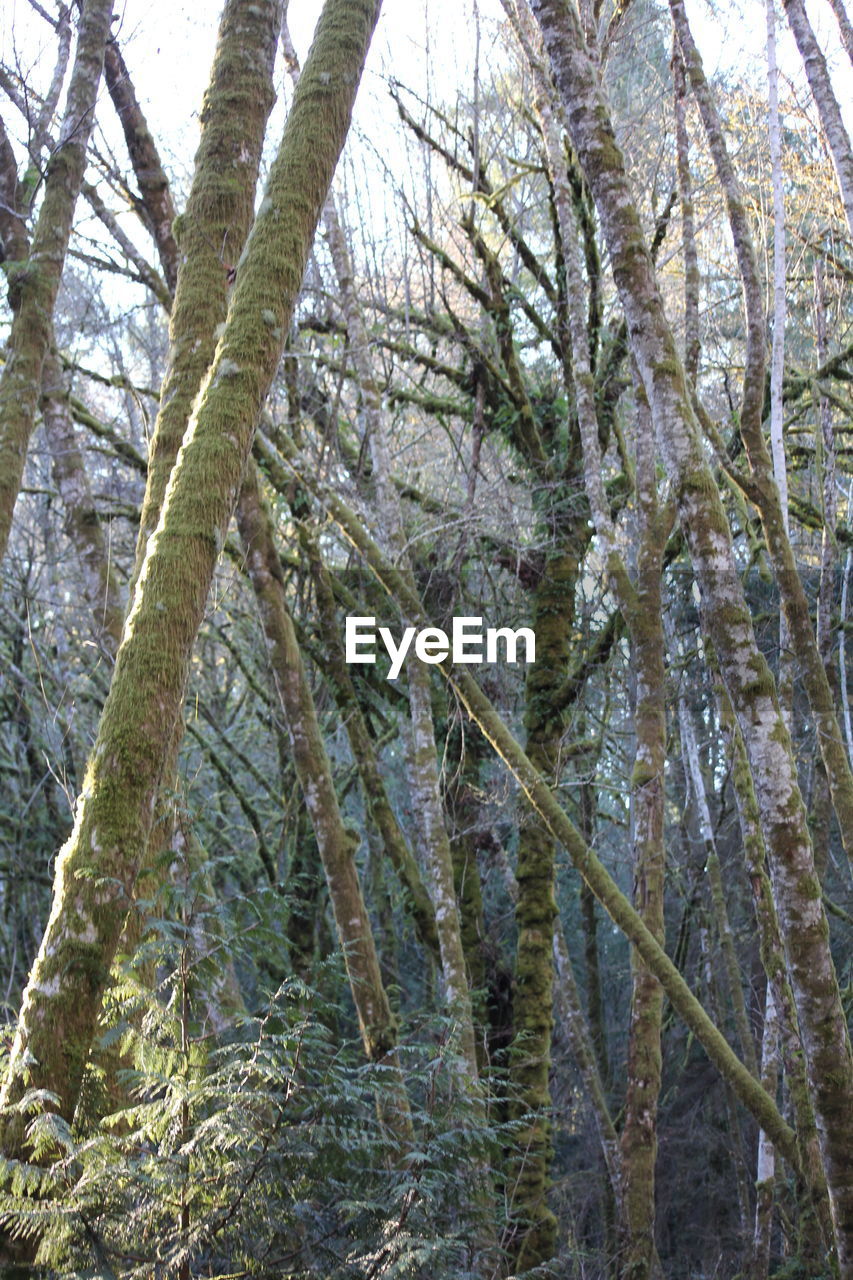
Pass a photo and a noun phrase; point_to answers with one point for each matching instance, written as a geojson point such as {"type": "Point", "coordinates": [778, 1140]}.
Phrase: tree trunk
{"type": "Point", "coordinates": [153, 184]}
{"type": "Point", "coordinates": [765, 1173]}
{"type": "Point", "coordinates": [337, 843]}
{"type": "Point", "coordinates": [825, 101]}
{"type": "Point", "coordinates": [211, 232]}
{"type": "Point", "coordinates": [643, 613]}
{"type": "Point", "coordinates": [34, 283]}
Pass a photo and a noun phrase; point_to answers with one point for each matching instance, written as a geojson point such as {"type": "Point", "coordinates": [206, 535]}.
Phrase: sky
{"type": "Point", "coordinates": [427, 44]}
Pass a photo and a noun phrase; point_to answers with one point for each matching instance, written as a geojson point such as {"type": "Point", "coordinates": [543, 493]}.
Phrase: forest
{"type": "Point", "coordinates": [426, 760]}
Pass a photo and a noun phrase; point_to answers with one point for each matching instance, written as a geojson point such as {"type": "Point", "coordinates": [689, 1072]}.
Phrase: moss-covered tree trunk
{"type": "Point", "coordinates": [96, 868]}
{"type": "Point", "coordinates": [34, 282]}
{"type": "Point", "coordinates": [337, 843]}
{"type": "Point", "coordinates": [535, 910]}
{"type": "Point", "coordinates": [219, 211]}
{"type": "Point", "coordinates": [725, 614]}
{"type": "Point", "coordinates": [641, 607]}
{"type": "Point", "coordinates": [643, 614]}
{"type": "Point", "coordinates": [379, 809]}
{"type": "Point", "coordinates": [211, 232]}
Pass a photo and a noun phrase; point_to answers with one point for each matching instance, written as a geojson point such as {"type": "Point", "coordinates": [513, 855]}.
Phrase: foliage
{"type": "Point", "coordinates": [260, 1155]}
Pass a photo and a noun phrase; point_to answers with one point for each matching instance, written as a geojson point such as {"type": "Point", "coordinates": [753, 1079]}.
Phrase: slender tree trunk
{"type": "Point", "coordinates": [821, 805]}
{"type": "Point", "coordinates": [825, 100]}
{"type": "Point", "coordinates": [336, 842]}
{"type": "Point", "coordinates": [97, 866]}
{"type": "Point", "coordinates": [82, 522]}
{"type": "Point", "coordinates": [644, 616]}
{"type": "Point", "coordinates": [765, 1174]}
{"type": "Point", "coordinates": [438, 861]}
{"type": "Point", "coordinates": [34, 283]}
{"type": "Point", "coordinates": [692, 277]}
{"type": "Point", "coordinates": [159, 211]}
{"type": "Point", "coordinates": [777, 363]}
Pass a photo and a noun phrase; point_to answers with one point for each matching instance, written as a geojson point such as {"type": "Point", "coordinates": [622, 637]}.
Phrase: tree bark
{"type": "Point", "coordinates": [211, 232]}
{"type": "Point", "coordinates": [34, 283]}
{"type": "Point", "coordinates": [157, 207]}
{"type": "Point", "coordinates": [825, 101]}
{"type": "Point", "coordinates": [337, 843]}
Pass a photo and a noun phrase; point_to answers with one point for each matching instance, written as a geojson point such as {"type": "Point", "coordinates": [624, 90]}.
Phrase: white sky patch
{"type": "Point", "coordinates": [427, 45]}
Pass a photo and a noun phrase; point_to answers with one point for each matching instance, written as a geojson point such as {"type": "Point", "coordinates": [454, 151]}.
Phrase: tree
{"type": "Point", "coordinates": [370, 968]}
